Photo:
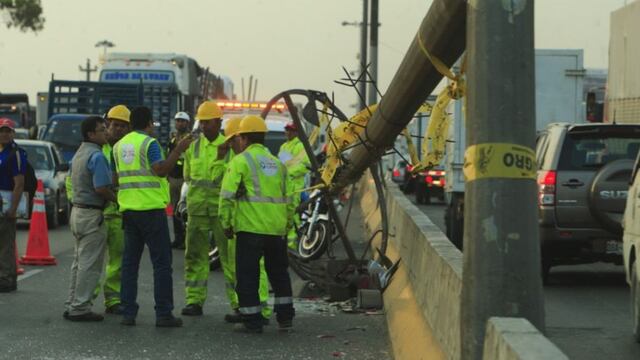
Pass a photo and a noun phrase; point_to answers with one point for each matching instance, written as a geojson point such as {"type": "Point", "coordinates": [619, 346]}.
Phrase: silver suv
{"type": "Point", "coordinates": [583, 180]}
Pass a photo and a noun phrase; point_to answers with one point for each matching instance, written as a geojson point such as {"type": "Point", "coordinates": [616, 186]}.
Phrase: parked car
{"type": "Point", "coordinates": [428, 184]}
{"type": "Point", "coordinates": [51, 168]}
{"type": "Point", "coordinates": [583, 175]}
{"type": "Point", "coordinates": [21, 133]}
{"type": "Point", "coordinates": [631, 246]}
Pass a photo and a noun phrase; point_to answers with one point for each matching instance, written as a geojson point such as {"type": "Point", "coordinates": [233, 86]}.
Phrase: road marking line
{"type": "Point", "coordinates": [29, 274]}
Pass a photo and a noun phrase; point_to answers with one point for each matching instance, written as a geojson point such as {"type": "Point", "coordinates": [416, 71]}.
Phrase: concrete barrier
{"type": "Point", "coordinates": [428, 282]}
{"type": "Point", "coordinates": [517, 339]}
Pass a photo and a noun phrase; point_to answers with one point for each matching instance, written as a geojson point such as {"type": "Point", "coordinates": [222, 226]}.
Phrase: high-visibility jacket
{"type": "Point", "coordinates": [139, 187]}
{"type": "Point", "coordinates": [255, 194]}
{"type": "Point", "coordinates": [293, 155]}
{"type": "Point", "coordinates": [111, 209]}
{"type": "Point", "coordinates": [203, 172]}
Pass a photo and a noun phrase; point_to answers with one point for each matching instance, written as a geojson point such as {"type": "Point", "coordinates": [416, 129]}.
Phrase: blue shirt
{"type": "Point", "coordinates": [99, 168]}
{"type": "Point", "coordinates": [9, 167]}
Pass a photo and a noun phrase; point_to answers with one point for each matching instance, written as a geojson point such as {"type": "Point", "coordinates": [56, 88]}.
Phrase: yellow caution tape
{"type": "Point", "coordinates": [499, 160]}
{"type": "Point", "coordinates": [437, 63]}
{"type": "Point", "coordinates": [344, 135]}
{"type": "Point", "coordinates": [413, 152]}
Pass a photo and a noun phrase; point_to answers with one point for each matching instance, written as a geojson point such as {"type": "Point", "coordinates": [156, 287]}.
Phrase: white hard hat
{"type": "Point", "coordinates": [182, 115]}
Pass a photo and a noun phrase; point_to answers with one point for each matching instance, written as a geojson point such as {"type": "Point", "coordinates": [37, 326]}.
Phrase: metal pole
{"type": "Point", "coordinates": [88, 69]}
{"type": "Point", "coordinates": [243, 98]}
{"type": "Point", "coordinates": [255, 90]}
{"type": "Point", "coordinates": [443, 35]}
{"type": "Point", "coordinates": [250, 87]}
{"type": "Point", "coordinates": [373, 50]}
{"type": "Point", "coordinates": [363, 54]}
{"type": "Point", "coordinates": [501, 271]}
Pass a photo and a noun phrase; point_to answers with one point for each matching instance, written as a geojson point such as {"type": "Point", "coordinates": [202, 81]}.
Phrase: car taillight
{"type": "Point", "coordinates": [429, 179]}
{"type": "Point", "coordinates": [396, 173]}
{"type": "Point", "coordinates": [547, 188]}
{"type": "Point", "coordinates": [442, 182]}
{"type": "Point", "coordinates": [409, 168]}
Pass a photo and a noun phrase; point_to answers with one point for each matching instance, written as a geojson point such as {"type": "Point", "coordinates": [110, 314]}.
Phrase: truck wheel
{"type": "Point", "coordinates": [427, 195]}
{"type": "Point", "coordinates": [454, 221]}
{"type": "Point", "coordinates": [635, 302]}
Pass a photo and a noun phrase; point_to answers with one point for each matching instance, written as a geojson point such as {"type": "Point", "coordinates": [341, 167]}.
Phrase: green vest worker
{"type": "Point", "coordinates": [254, 204]}
{"type": "Point", "coordinates": [203, 170]}
{"type": "Point", "coordinates": [117, 127]}
{"type": "Point", "coordinates": [293, 155]}
{"type": "Point", "coordinates": [229, 266]}
{"type": "Point", "coordinates": [175, 177]}
{"type": "Point", "coordinates": [143, 195]}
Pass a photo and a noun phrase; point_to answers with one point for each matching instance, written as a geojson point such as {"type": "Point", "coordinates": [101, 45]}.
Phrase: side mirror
{"type": "Point", "coordinates": [62, 167]}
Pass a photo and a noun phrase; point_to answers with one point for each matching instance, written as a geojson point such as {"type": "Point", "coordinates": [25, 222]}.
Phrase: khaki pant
{"type": "Point", "coordinates": [87, 226]}
{"type": "Point", "coordinates": [7, 253]}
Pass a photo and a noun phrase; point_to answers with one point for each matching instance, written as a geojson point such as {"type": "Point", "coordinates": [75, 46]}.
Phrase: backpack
{"type": "Point", "coordinates": [30, 180]}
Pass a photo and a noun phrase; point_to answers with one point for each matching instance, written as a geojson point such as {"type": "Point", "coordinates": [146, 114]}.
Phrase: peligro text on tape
{"type": "Point", "coordinates": [499, 160]}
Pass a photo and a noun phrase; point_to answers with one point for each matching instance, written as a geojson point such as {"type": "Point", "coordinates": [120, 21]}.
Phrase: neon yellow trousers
{"type": "Point", "coordinates": [115, 247]}
{"type": "Point", "coordinates": [197, 263]}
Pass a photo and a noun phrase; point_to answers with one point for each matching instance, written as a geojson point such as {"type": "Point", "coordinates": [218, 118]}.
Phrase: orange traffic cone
{"type": "Point", "coordinates": [19, 270]}
{"type": "Point", "coordinates": [38, 252]}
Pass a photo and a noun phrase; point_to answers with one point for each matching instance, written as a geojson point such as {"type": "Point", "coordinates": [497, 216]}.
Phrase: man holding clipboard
{"type": "Point", "coordinates": [13, 162]}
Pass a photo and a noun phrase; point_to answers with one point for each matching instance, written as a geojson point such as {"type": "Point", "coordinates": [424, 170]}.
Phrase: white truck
{"type": "Point", "coordinates": [559, 98]}
{"type": "Point", "coordinates": [623, 83]}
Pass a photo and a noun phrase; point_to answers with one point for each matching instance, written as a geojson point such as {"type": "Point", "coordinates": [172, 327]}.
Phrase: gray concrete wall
{"type": "Point", "coordinates": [517, 339]}
{"type": "Point", "coordinates": [434, 268]}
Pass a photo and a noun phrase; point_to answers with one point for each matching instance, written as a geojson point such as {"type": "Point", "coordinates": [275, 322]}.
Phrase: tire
{"type": "Point", "coordinates": [545, 270]}
{"type": "Point", "coordinates": [454, 221]}
{"type": "Point", "coordinates": [635, 302]}
{"type": "Point", "coordinates": [63, 217]}
{"type": "Point", "coordinates": [52, 217]}
{"type": "Point", "coordinates": [311, 248]}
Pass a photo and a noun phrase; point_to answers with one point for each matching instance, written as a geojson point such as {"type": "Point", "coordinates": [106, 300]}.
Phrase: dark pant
{"type": "Point", "coordinates": [150, 228]}
{"type": "Point", "coordinates": [8, 274]}
{"type": "Point", "coordinates": [250, 248]}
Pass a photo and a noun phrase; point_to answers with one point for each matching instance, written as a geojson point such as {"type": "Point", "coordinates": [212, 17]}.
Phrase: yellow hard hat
{"type": "Point", "coordinates": [231, 128]}
{"type": "Point", "coordinates": [119, 112]}
{"type": "Point", "coordinates": [208, 110]}
{"type": "Point", "coordinates": [252, 124]}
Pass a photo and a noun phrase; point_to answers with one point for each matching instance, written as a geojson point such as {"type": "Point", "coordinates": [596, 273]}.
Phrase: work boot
{"type": "Point", "coordinates": [171, 321]}
{"type": "Point", "coordinates": [115, 309]}
{"type": "Point", "coordinates": [192, 310]}
{"type": "Point", "coordinates": [243, 328]}
{"type": "Point", "coordinates": [285, 325]}
{"type": "Point", "coordinates": [234, 317]}
{"type": "Point", "coordinates": [86, 317]}
{"type": "Point", "coordinates": [128, 321]}
{"type": "Point", "coordinates": [177, 245]}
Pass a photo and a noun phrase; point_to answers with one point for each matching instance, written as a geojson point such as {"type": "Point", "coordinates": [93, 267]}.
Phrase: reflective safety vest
{"type": "Point", "coordinates": [293, 155]}
{"type": "Point", "coordinates": [111, 209]}
{"type": "Point", "coordinates": [203, 172]}
{"type": "Point", "coordinates": [254, 196]}
{"type": "Point", "coordinates": [139, 188]}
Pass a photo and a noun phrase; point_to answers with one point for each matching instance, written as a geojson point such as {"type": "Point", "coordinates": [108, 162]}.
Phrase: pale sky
{"type": "Point", "coordinates": [284, 43]}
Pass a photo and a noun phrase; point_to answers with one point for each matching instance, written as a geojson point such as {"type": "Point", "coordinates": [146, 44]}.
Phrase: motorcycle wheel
{"type": "Point", "coordinates": [312, 247]}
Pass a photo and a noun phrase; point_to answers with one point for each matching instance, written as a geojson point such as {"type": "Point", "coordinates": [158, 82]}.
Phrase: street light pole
{"type": "Point", "coordinates": [363, 54]}
{"type": "Point", "coordinates": [501, 269]}
{"type": "Point", "coordinates": [373, 44]}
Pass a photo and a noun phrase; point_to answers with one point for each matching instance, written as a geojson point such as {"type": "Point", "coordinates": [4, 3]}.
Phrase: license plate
{"type": "Point", "coordinates": [614, 247]}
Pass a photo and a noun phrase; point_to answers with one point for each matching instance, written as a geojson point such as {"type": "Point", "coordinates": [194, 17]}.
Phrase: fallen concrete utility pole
{"type": "Point", "coordinates": [443, 35]}
{"type": "Point", "coordinates": [501, 273]}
